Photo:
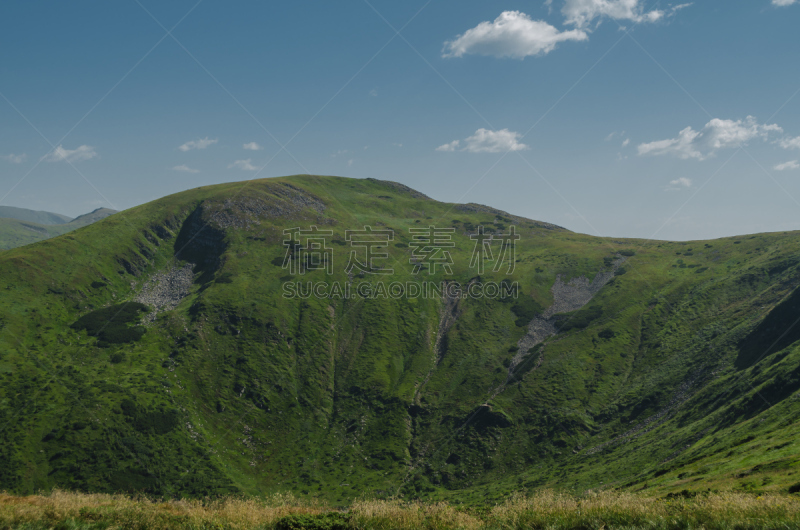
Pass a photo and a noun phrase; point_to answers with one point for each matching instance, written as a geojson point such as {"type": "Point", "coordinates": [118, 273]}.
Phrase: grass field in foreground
{"type": "Point", "coordinates": [544, 509]}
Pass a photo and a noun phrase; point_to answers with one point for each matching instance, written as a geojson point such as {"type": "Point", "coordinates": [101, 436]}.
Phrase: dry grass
{"type": "Point", "coordinates": [544, 509]}
{"type": "Point", "coordinates": [395, 515]}
{"type": "Point", "coordinates": [123, 512]}
{"type": "Point", "coordinates": [548, 509]}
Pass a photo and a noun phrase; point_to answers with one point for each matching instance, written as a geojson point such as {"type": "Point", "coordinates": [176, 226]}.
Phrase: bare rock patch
{"type": "Point", "coordinates": [567, 297]}
{"type": "Point", "coordinates": [165, 290]}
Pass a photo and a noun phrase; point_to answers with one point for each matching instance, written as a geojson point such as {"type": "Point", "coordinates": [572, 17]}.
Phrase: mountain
{"type": "Point", "coordinates": [19, 226]}
{"type": "Point", "coordinates": [175, 349]}
{"type": "Point", "coordinates": [33, 216]}
{"type": "Point", "coordinates": [91, 217]}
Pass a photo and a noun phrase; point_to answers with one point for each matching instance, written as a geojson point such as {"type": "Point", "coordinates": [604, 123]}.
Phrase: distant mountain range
{"type": "Point", "coordinates": [20, 226]}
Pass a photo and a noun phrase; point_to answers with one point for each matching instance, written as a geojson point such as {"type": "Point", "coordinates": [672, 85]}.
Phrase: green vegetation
{"type": "Point", "coordinates": [323, 521]}
{"type": "Point", "coordinates": [525, 310]}
{"type": "Point", "coordinates": [111, 325]}
{"type": "Point", "coordinates": [580, 319]}
{"type": "Point", "coordinates": [669, 379]}
{"type": "Point", "coordinates": [607, 334]}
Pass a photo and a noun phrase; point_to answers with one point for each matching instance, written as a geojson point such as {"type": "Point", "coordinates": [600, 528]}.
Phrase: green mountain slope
{"type": "Point", "coordinates": [155, 351]}
{"type": "Point", "coordinates": [18, 227]}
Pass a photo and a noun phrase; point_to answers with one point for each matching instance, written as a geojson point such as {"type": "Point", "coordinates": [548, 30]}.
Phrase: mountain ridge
{"type": "Point", "coordinates": [33, 216]}
{"type": "Point", "coordinates": [668, 376]}
{"type": "Point", "coordinates": [19, 227]}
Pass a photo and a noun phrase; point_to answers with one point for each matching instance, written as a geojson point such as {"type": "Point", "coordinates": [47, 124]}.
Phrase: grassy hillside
{"type": "Point", "coordinates": [154, 351]}
{"type": "Point", "coordinates": [20, 227]}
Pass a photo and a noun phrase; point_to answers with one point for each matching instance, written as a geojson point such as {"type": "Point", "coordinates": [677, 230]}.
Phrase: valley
{"type": "Point", "coordinates": [153, 351]}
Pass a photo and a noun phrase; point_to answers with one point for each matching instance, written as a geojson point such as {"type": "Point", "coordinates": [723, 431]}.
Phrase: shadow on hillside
{"type": "Point", "coordinates": [779, 329]}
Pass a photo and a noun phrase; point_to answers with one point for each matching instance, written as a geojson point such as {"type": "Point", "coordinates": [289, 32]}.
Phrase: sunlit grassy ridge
{"type": "Point", "coordinates": [683, 372]}
{"type": "Point", "coordinates": [545, 509]}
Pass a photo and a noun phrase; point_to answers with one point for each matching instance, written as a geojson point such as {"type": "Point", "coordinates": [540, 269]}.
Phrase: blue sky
{"type": "Point", "coordinates": [609, 117]}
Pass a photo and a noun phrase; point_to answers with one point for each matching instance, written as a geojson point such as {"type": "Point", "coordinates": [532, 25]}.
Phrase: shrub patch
{"type": "Point", "coordinates": [111, 324]}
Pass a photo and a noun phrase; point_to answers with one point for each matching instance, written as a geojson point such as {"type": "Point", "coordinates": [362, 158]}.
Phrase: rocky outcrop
{"type": "Point", "coordinates": [202, 239]}
{"type": "Point", "coordinates": [245, 212]}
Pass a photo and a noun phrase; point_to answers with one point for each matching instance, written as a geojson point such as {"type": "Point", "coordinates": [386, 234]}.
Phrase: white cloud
{"type": "Point", "coordinates": [626, 142]}
{"type": "Point", "coordinates": [512, 34]}
{"type": "Point", "coordinates": [244, 165]}
{"type": "Point", "coordinates": [581, 13]}
{"type": "Point", "coordinates": [185, 169]}
{"type": "Point", "coordinates": [486, 141]}
{"type": "Point", "coordinates": [783, 2]}
{"type": "Point", "coordinates": [198, 144]}
{"type": "Point", "coordinates": [15, 159]}
{"type": "Point", "coordinates": [452, 146]}
{"type": "Point", "coordinates": [729, 133]}
{"type": "Point", "coordinates": [790, 143]}
{"type": "Point", "coordinates": [252, 146]}
{"type": "Point", "coordinates": [716, 134]}
{"type": "Point", "coordinates": [791, 164]}
{"type": "Point", "coordinates": [682, 146]}
{"type": "Point", "coordinates": [59, 154]}
{"type": "Point", "coordinates": [682, 181]}
{"type": "Point", "coordinates": [350, 162]}
{"type": "Point", "coordinates": [373, 93]}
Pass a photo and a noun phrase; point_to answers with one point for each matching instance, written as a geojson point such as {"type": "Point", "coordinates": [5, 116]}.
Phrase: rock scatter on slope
{"type": "Point", "coordinates": [165, 290]}
{"type": "Point", "coordinates": [567, 297]}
